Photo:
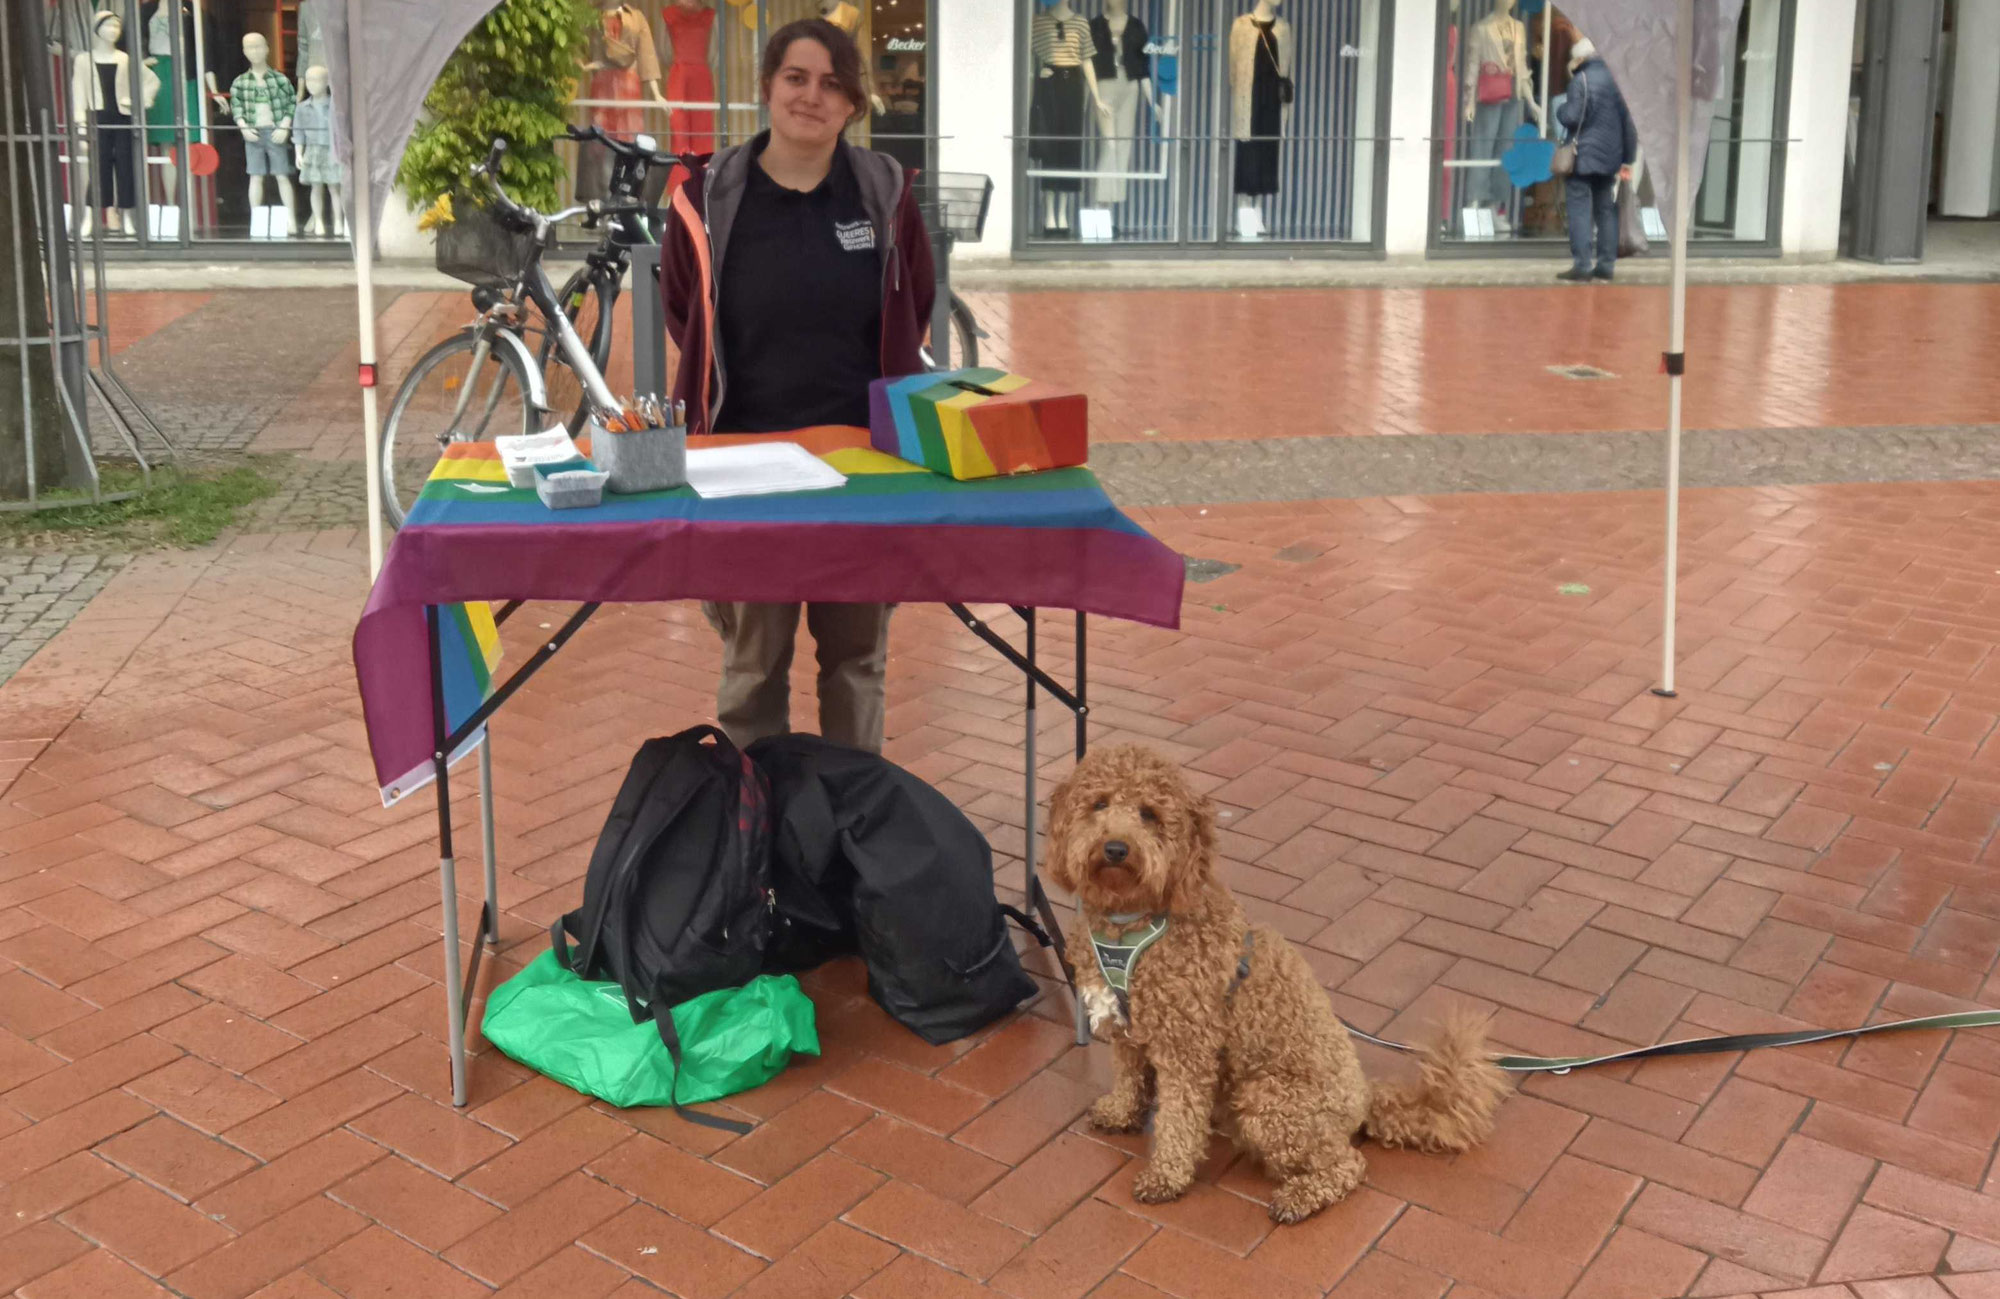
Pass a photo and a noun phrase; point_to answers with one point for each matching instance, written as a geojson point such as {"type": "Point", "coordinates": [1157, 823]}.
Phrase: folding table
{"type": "Point", "coordinates": [427, 646]}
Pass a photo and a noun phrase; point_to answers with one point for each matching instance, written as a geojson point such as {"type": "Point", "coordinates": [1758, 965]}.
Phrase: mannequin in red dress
{"type": "Point", "coordinates": [622, 65]}
{"type": "Point", "coordinates": [690, 27]}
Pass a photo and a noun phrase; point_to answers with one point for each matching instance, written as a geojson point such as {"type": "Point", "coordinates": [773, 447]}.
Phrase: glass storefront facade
{"type": "Point", "coordinates": [1502, 71]}
{"type": "Point", "coordinates": [178, 171]}
{"type": "Point", "coordinates": [684, 71]}
{"type": "Point", "coordinates": [1200, 124]}
{"type": "Point", "coordinates": [708, 54]}
{"type": "Point", "coordinates": [1140, 127]}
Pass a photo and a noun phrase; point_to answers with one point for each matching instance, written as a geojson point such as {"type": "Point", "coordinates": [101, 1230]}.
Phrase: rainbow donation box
{"type": "Point", "coordinates": [979, 423]}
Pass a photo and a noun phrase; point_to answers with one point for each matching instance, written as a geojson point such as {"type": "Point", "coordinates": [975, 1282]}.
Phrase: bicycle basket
{"type": "Point", "coordinates": [479, 250]}
{"type": "Point", "coordinates": [955, 203]}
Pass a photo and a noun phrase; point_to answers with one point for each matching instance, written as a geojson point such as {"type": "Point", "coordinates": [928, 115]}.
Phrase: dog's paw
{"type": "Point", "coordinates": [1113, 1113]}
{"type": "Point", "coordinates": [1296, 1201]}
{"type": "Point", "coordinates": [1153, 1186]}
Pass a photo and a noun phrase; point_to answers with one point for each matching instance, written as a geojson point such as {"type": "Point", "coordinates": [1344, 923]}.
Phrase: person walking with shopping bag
{"type": "Point", "coordinates": [1602, 146]}
{"type": "Point", "coordinates": [796, 270]}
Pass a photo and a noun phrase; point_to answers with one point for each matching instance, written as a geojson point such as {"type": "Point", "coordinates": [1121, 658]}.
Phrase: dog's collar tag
{"type": "Point", "coordinates": [1118, 957]}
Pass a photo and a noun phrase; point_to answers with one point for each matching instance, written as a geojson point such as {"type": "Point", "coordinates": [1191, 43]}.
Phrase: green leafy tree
{"type": "Point", "coordinates": [513, 78]}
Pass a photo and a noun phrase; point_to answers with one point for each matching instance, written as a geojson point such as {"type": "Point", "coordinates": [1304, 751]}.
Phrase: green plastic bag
{"type": "Point", "coordinates": [580, 1033]}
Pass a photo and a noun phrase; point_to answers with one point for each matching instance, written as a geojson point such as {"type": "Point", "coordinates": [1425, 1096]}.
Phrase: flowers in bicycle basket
{"type": "Point", "coordinates": [437, 215]}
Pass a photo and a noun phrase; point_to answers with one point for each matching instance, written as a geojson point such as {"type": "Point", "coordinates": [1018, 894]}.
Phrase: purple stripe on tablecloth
{"type": "Point", "coordinates": [1111, 574]}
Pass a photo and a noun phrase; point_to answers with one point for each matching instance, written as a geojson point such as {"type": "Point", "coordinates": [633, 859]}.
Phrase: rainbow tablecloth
{"type": "Point", "coordinates": [894, 533]}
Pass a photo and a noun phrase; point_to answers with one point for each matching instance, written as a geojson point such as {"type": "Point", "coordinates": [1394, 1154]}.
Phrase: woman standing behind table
{"type": "Point", "coordinates": [815, 260]}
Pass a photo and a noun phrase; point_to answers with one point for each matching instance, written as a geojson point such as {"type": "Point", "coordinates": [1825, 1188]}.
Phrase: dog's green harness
{"type": "Point", "coordinates": [1117, 958]}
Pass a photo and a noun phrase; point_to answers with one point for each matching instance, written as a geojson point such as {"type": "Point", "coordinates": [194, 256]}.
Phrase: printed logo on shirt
{"type": "Point", "coordinates": [855, 236]}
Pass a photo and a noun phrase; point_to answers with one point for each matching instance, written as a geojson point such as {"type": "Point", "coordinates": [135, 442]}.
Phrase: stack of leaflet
{"type": "Point", "coordinates": [522, 454]}
{"type": "Point", "coordinates": [760, 469]}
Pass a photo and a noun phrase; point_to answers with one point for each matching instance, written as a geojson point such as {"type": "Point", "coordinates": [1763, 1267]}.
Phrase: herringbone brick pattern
{"type": "Point", "coordinates": [222, 1068]}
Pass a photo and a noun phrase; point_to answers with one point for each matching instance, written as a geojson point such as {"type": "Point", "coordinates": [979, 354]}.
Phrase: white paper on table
{"type": "Point", "coordinates": [759, 469]}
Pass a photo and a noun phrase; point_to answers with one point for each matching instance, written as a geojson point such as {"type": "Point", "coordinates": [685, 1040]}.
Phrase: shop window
{"type": "Point", "coordinates": [1503, 69]}
{"type": "Point", "coordinates": [709, 52]}
{"type": "Point", "coordinates": [180, 161]}
{"type": "Point", "coordinates": [1197, 122]}
{"type": "Point", "coordinates": [684, 71]}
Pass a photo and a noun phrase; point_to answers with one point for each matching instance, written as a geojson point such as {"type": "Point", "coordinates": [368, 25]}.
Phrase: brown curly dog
{"type": "Point", "coordinates": [1224, 1024]}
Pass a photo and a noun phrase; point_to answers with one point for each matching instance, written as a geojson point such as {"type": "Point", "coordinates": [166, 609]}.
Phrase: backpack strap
{"type": "Point", "coordinates": [1027, 922]}
{"type": "Point", "coordinates": [663, 1019]}
{"type": "Point", "coordinates": [559, 944]}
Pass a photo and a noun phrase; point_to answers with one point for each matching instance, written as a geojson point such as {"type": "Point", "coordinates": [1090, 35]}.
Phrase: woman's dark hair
{"type": "Point", "coordinates": [839, 50]}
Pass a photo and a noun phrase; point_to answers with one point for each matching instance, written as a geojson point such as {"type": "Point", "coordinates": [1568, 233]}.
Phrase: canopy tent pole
{"type": "Point", "coordinates": [1676, 358]}
{"type": "Point", "coordinates": [362, 228]}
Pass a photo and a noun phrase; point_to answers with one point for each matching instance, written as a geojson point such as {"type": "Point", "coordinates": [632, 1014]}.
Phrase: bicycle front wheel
{"type": "Point", "coordinates": [462, 390]}
{"type": "Point", "coordinates": [964, 335]}
{"type": "Point", "coordinates": [586, 298]}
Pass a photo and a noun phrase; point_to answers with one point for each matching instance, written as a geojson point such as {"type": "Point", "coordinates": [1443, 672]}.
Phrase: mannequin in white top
{"type": "Point", "coordinates": [1118, 98]}
{"type": "Point", "coordinates": [1498, 93]}
{"type": "Point", "coordinates": [1063, 98]}
{"type": "Point", "coordinates": [101, 87]}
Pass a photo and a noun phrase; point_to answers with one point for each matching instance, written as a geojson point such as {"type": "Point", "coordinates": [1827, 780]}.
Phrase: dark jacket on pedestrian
{"type": "Point", "coordinates": [695, 243]}
{"type": "Point", "coordinates": [1595, 116]}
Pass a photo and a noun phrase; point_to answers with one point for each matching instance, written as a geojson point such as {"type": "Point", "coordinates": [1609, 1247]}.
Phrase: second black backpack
{"type": "Point", "coordinates": [870, 859]}
{"type": "Point", "coordinates": [678, 898]}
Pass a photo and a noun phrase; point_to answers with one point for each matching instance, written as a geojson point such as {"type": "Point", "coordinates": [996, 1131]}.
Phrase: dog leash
{"type": "Point", "coordinates": [1711, 1045]}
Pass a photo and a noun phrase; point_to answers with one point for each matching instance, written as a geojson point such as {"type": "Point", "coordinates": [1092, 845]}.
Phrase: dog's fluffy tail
{"type": "Point", "coordinates": [1450, 1105]}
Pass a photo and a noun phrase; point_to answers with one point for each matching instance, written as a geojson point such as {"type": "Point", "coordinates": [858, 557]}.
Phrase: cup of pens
{"type": "Point", "coordinates": [642, 445]}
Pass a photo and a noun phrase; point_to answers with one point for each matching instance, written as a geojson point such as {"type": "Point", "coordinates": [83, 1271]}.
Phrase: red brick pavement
{"type": "Point", "coordinates": [221, 1060]}
{"type": "Point", "coordinates": [1303, 362]}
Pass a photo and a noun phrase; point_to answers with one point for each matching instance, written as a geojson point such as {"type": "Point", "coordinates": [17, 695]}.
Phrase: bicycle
{"type": "Point", "coordinates": [590, 295]}
{"type": "Point", "coordinates": [498, 249]}
{"type": "Point", "coordinates": [953, 205]}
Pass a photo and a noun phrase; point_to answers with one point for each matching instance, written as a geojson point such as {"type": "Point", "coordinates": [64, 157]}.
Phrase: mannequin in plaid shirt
{"type": "Point", "coordinates": [262, 102]}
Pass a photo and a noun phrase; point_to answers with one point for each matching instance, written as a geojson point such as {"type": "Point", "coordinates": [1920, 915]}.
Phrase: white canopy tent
{"type": "Point", "coordinates": [1669, 58]}
{"type": "Point", "coordinates": [387, 70]}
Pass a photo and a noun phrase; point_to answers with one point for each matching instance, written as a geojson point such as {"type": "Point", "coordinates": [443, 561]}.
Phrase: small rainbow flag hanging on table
{"type": "Point", "coordinates": [468, 659]}
{"type": "Point", "coordinates": [469, 645]}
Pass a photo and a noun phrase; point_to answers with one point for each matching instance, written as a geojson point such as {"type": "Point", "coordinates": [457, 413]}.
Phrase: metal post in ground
{"type": "Point", "coordinates": [361, 228]}
{"type": "Point", "coordinates": [1677, 328]}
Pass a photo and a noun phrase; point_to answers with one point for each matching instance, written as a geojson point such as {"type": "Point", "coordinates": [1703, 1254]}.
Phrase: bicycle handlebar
{"type": "Point", "coordinates": [627, 148]}
{"type": "Point", "coordinates": [528, 218]}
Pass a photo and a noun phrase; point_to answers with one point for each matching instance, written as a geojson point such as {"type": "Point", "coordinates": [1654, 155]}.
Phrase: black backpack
{"type": "Point", "coordinates": [870, 859]}
{"type": "Point", "coordinates": [678, 900]}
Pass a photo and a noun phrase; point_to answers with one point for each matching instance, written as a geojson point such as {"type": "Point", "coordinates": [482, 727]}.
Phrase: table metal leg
{"type": "Point", "coordinates": [489, 913]}
{"type": "Point", "coordinates": [1037, 897]}
{"type": "Point", "coordinates": [459, 980]}
{"type": "Point", "coordinates": [462, 981]}
{"type": "Point", "coordinates": [454, 984]}
{"type": "Point", "coordinates": [1082, 715]}
{"type": "Point", "coordinates": [1032, 803]}
{"type": "Point", "coordinates": [1082, 709]}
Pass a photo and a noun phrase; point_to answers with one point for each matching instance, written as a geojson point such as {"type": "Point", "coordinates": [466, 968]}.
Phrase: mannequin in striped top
{"type": "Point", "coordinates": [1063, 98]}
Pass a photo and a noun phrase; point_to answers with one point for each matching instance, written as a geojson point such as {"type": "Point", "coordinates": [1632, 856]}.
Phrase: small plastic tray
{"type": "Point", "coordinates": [575, 484]}
{"type": "Point", "coordinates": [520, 455]}
{"type": "Point", "coordinates": [647, 460]}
